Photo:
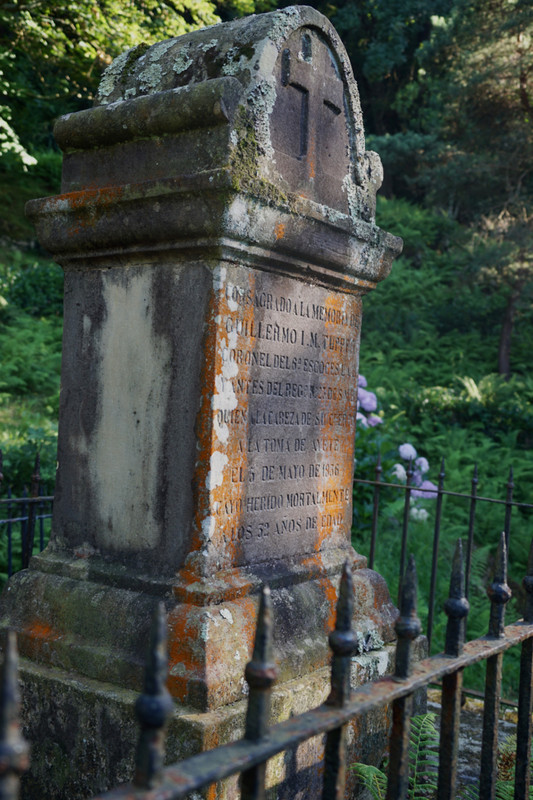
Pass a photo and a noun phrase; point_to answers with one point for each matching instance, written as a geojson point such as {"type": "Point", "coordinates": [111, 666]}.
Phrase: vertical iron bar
{"type": "Point", "coordinates": [407, 628]}
{"type": "Point", "coordinates": [27, 550]}
{"type": "Point", "coordinates": [508, 507]}
{"type": "Point", "coordinates": [260, 674]}
{"type": "Point", "coordinates": [375, 514]}
{"type": "Point", "coordinates": [456, 607]}
{"type": "Point", "coordinates": [405, 526]}
{"type": "Point", "coordinates": [14, 750]}
{"type": "Point", "coordinates": [9, 536]}
{"type": "Point", "coordinates": [436, 537]}
{"type": "Point", "coordinates": [23, 524]}
{"type": "Point", "coordinates": [41, 521]}
{"type": "Point", "coordinates": [153, 707]}
{"type": "Point", "coordinates": [499, 594]}
{"type": "Point", "coordinates": [525, 692]}
{"type": "Point", "coordinates": [344, 644]}
{"type": "Point", "coordinates": [471, 523]}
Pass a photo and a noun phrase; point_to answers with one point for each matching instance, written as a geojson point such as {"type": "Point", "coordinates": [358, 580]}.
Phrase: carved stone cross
{"type": "Point", "coordinates": [309, 123]}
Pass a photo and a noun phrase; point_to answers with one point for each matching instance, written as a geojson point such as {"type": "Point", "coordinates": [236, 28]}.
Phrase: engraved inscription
{"type": "Point", "coordinates": [288, 355]}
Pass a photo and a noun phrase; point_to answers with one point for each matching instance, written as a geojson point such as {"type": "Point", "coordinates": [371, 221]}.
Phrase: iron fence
{"type": "Point", "coordinates": [23, 521]}
{"type": "Point", "coordinates": [472, 498]}
{"type": "Point", "coordinates": [248, 756]}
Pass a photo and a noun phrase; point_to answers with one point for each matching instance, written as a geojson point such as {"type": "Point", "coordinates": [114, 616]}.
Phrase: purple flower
{"type": "Point", "coordinates": [362, 381]}
{"type": "Point", "coordinates": [361, 419]}
{"type": "Point", "coordinates": [367, 400]}
{"type": "Point", "coordinates": [422, 465]}
{"type": "Point", "coordinates": [374, 420]}
{"type": "Point", "coordinates": [430, 492]}
{"type": "Point", "coordinates": [407, 452]}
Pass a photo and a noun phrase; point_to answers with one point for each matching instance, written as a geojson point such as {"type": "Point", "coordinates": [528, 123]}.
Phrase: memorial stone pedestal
{"type": "Point", "coordinates": [216, 228]}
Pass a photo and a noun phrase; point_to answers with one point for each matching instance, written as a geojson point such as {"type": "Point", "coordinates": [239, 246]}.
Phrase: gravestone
{"type": "Point", "coordinates": [216, 227]}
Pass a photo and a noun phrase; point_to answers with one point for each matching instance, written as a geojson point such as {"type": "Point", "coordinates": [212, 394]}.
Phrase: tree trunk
{"type": "Point", "coordinates": [506, 333]}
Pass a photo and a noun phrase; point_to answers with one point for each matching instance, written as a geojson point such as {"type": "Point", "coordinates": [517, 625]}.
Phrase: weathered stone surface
{"type": "Point", "coordinates": [216, 228]}
{"type": "Point", "coordinates": [92, 725]}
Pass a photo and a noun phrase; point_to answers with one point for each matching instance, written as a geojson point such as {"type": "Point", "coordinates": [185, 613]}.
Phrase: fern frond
{"type": "Point", "coordinates": [423, 756]}
{"type": "Point", "coordinates": [372, 779]}
{"type": "Point", "coordinates": [468, 793]}
{"type": "Point", "coordinates": [504, 790]}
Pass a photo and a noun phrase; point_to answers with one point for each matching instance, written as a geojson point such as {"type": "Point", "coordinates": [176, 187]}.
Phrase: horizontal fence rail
{"type": "Point", "coordinates": [438, 493]}
{"type": "Point", "coordinates": [248, 756]}
{"type": "Point", "coordinates": [22, 520]}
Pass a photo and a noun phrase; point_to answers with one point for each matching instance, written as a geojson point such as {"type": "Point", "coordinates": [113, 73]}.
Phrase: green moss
{"type": "Point", "coordinates": [244, 162]}
{"type": "Point", "coordinates": [133, 56]}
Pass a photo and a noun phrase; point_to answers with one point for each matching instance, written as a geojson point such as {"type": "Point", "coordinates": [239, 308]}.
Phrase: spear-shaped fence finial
{"type": "Point", "coordinates": [456, 606]}
{"type": "Point", "coordinates": [260, 672]}
{"type": "Point", "coordinates": [408, 625]}
{"type": "Point", "coordinates": [499, 592]}
{"type": "Point", "coordinates": [343, 641]}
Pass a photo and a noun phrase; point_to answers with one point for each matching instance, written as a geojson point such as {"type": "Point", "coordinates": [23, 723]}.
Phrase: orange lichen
{"type": "Point", "coordinates": [279, 231]}
{"type": "Point", "coordinates": [40, 630]}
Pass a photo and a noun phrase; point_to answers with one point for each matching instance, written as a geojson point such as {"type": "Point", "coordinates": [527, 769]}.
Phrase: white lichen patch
{"type": "Point", "coordinates": [183, 60]}
{"type": "Point", "coordinates": [352, 194]}
{"type": "Point", "coordinates": [159, 49]}
{"type": "Point", "coordinates": [224, 397]}
{"type": "Point", "coordinates": [226, 614]}
{"type": "Point", "coordinates": [208, 527]}
{"type": "Point", "coordinates": [130, 93]}
{"type": "Point", "coordinates": [217, 463]}
{"type": "Point", "coordinates": [179, 670]}
{"type": "Point", "coordinates": [111, 75]}
{"type": "Point", "coordinates": [245, 689]}
{"type": "Point", "coordinates": [232, 304]}
{"type": "Point", "coordinates": [150, 78]}
{"type": "Point", "coordinates": [239, 216]}
{"type": "Point", "coordinates": [219, 277]}
{"type": "Point", "coordinates": [208, 45]}
{"type": "Point", "coordinates": [267, 57]}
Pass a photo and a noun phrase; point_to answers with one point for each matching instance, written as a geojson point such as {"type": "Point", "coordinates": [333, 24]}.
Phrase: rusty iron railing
{"type": "Point", "coordinates": [249, 756]}
{"type": "Point", "coordinates": [27, 515]}
{"type": "Point", "coordinates": [473, 499]}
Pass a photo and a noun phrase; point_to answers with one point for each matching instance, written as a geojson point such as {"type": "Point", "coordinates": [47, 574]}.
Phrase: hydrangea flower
{"type": "Point", "coordinates": [399, 472]}
{"type": "Point", "coordinates": [362, 382]}
{"type": "Point", "coordinates": [422, 465]}
{"type": "Point", "coordinates": [418, 514]}
{"type": "Point", "coordinates": [367, 400]}
{"type": "Point", "coordinates": [361, 419]}
{"type": "Point", "coordinates": [407, 452]}
{"type": "Point", "coordinates": [429, 494]}
{"type": "Point", "coordinates": [374, 420]}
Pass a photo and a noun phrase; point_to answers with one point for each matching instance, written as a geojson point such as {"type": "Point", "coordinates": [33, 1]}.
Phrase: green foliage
{"type": "Point", "coordinates": [31, 284]}
{"type": "Point", "coordinates": [423, 763]}
{"type": "Point", "coordinates": [423, 767]}
{"type": "Point", "coordinates": [429, 352]}
{"type": "Point", "coordinates": [31, 354]}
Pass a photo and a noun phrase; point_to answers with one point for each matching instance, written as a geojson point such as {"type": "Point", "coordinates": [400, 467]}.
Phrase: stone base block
{"type": "Point", "coordinates": [83, 734]}
{"type": "Point", "coordinates": [90, 618]}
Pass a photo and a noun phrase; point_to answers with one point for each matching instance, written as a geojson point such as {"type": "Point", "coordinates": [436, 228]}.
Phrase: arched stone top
{"type": "Point", "coordinates": [296, 121]}
{"type": "Point", "coordinates": [245, 136]}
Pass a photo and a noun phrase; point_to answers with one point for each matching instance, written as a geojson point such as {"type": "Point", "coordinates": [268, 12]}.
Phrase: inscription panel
{"type": "Point", "coordinates": [283, 416]}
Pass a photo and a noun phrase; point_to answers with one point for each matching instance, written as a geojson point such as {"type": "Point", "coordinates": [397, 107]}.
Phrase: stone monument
{"type": "Point", "coordinates": [216, 227]}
